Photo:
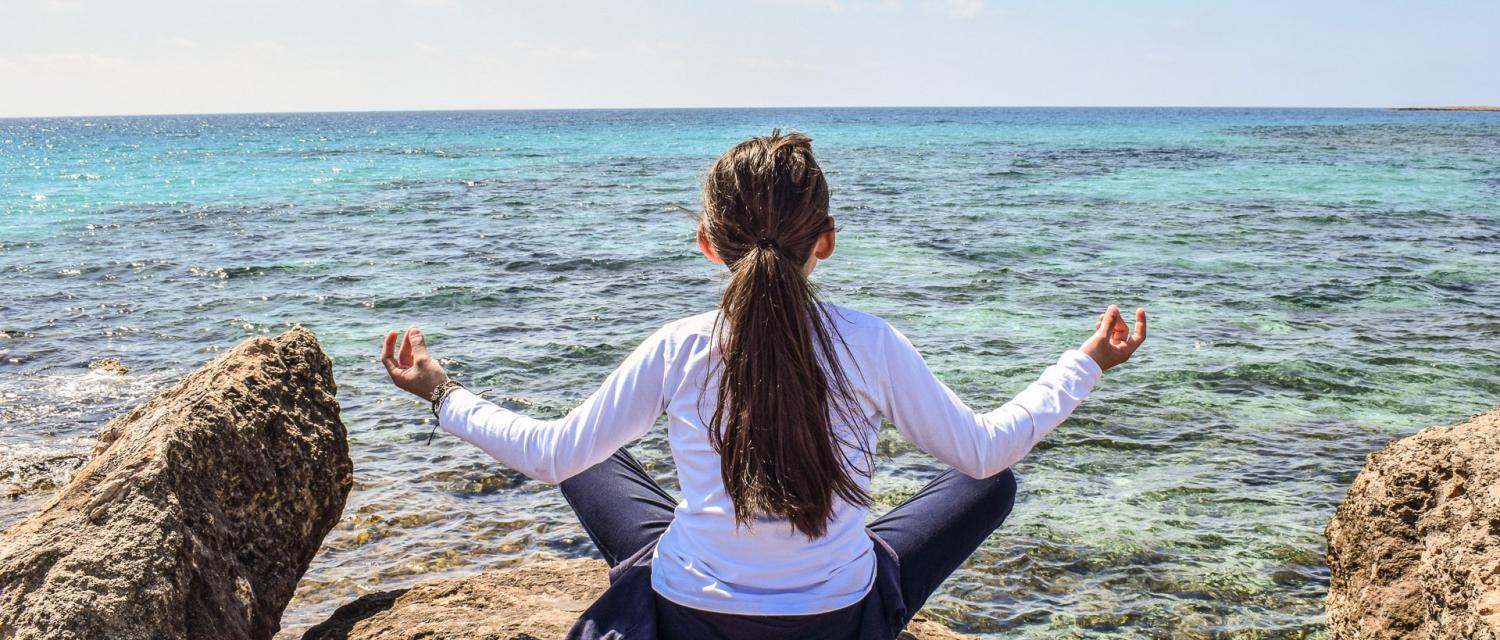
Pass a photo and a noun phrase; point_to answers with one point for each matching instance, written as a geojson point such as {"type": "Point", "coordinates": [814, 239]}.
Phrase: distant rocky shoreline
{"type": "Point", "coordinates": [1469, 108]}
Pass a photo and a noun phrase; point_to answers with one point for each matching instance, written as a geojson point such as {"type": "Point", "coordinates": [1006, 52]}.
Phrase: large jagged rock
{"type": "Point", "coordinates": [198, 511]}
{"type": "Point", "coordinates": [1414, 550]}
{"type": "Point", "coordinates": [535, 601]}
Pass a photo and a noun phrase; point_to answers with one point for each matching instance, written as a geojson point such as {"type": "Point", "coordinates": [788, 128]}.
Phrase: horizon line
{"type": "Point", "coordinates": [1458, 108]}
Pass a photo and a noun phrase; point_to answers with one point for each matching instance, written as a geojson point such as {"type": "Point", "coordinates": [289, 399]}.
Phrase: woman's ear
{"type": "Point", "coordinates": [826, 242]}
{"type": "Point", "coordinates": [708, 248]}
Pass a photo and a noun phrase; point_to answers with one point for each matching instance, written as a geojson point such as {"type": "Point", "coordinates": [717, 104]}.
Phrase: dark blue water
{"type": "Point", "coordinates": [1320, 281]}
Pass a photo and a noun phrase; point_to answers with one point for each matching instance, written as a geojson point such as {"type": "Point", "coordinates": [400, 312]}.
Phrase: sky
{"type": "Point", "coordinates": [88, 57]}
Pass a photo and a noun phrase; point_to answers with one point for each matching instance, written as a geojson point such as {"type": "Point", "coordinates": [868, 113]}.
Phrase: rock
{"type": "Point", "coordinates": [198, 511]}
{"type": "Point", "coordinates": [1414, 550]}
{"type": "Point", "coordinates": [923, 629]}
{"type": "Point", "coordinates": [534, 601]}
{"type": "Point", "coordinates": [109, 365]}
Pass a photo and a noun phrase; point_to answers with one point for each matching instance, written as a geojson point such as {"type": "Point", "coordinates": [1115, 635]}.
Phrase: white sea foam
{"type": "Point", "coordinates": [52, 397]}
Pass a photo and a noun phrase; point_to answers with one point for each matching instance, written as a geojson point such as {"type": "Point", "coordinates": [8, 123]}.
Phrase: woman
{"type": "Point", "coordinates": [773, 404]}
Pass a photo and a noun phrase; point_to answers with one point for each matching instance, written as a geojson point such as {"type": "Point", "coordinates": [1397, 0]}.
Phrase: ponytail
{"type": "Point", "coordinates": [765, 205]}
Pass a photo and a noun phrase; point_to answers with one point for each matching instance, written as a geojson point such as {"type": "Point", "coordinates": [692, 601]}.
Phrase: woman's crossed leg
{"type": "Point", "coordinates": [624, 510]}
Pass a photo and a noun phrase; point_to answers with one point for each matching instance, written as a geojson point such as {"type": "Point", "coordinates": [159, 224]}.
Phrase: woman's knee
{"type": "Point", "coordinates": [1000, 492]}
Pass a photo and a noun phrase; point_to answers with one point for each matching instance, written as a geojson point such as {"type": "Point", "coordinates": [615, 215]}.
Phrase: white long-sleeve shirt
{"type": "Point", "coordinates": [704, 560]}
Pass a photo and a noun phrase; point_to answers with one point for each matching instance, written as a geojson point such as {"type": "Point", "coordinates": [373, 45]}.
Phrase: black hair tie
{"type": "Point", "coordinates": [767, 243]}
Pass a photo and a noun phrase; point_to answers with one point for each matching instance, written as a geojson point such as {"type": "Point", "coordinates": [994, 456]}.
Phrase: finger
{"type": "Point", "coordinates": [1121, 328]}
{"type": "Point", "coordinates": [1117, 327]}
{"type": "Point", "coordinates": [1140, 327]}
{"type": "Point", "coordinates": [388, 351]}
{"type": "Point", "coordinates": [1108, 327]}
{"type": "Point", "coordinates": [419, 346]}
{"type": "Point", "coordinates": [406, 357]}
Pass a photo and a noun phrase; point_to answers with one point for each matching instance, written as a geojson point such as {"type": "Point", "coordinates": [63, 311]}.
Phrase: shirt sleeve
{"type": "Point", "coordinates": [621, 410]}
{"type": "Point", "coordinates": [980, 445]}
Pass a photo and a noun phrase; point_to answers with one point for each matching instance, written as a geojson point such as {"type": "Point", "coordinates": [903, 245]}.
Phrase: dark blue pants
{"type": "Point", "coordinates": [623, 511]}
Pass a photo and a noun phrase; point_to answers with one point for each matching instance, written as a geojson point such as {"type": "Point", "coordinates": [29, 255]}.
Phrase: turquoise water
{"type": "Point", "coordinates": [1320, 281]}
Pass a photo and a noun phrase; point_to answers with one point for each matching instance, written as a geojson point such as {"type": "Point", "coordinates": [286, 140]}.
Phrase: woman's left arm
{"type": "Point", "coordinates": [621, 410]}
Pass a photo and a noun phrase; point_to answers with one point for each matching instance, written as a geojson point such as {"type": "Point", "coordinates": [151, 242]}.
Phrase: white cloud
{"type": "Point", "coordinates": [957, 8]}
{"type": "Point", "coordinates": [268, 47]}
{"type": "Point", "coordinates": [841, 6]}
{"type": "Point", "coordinates": [834, 6]}
{"type": "Point", "coordinates": [756, 64]}
{"type": "Point", "coordinates": [952, 8]}
{"type": "Point", "coordinates": [71, 62]}
{"type": "Point", "coordinates": [566, 54]}
{"type": "Point", "coordinates": [61, 6]}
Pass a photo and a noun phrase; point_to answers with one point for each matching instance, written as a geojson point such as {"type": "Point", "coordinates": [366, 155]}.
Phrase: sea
{"type": "Point", "coordinates": [1319, 282]}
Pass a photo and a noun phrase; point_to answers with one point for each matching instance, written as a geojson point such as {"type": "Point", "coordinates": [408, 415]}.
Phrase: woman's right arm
{"type": "Point", "coordinates": [980, 445]}
{"type": "Point", "coordinates": [621, 410]}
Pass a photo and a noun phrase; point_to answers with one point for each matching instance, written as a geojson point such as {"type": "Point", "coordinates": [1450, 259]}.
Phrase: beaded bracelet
{"type": "Point", "coordinates": [439, 394]}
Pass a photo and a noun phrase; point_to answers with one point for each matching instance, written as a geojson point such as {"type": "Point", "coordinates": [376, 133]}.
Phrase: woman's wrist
{"type": "Point", "coordinates": [441, 393]}
{"type": "Point", "coordinates": [1091, 352]}
{"type": "Point", "coordinates": [1084, 362]}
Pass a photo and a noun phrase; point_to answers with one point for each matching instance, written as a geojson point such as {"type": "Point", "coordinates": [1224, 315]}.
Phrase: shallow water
{"type": "Point", "coordinates": [1320, 281]}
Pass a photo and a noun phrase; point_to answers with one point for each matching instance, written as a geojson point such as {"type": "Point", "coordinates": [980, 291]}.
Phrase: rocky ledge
{"type": "Point", "coordinates": [197, 512]}
{"type": "Point", "coordinates": [1414, 550]}
{"type": "Point", "coordinates": [535, 601]}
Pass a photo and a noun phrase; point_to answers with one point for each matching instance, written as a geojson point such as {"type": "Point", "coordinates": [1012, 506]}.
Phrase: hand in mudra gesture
{"type": "Point", "coordinates": [1113, 342]}
{"type": "Point", "coordinates": [412, 369]}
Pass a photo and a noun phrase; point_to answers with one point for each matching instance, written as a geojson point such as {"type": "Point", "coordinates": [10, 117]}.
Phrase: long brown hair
{"type": "Point", "coordinates": [765, 203]}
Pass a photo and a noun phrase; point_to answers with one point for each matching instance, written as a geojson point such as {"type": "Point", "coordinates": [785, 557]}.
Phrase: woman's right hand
{"type": "Point", "coordinates": [1113, 342]}
{"type": "Point", "coordinates": [412, 368]}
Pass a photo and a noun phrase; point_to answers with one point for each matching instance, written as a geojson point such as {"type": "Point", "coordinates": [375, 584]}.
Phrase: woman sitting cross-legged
{"type": "Point", "coordinates": [773, 403]}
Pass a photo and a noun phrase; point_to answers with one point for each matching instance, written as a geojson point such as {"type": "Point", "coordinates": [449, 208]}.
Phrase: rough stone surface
{"type": "Point", "coordinates": [109, 365]}
{"type": "Point", "coordinates": [198, 511]}
{"type": "Point", "coordinates": [535, 601]}
{"type": "Point", "coordinates": [1414, 550]}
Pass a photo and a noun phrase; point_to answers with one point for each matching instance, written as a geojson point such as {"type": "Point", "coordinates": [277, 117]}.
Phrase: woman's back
{"type": "Point", "coordinates": [705, 560]}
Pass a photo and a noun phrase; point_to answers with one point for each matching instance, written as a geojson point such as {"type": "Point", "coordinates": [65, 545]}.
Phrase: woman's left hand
{"type": "Point", "coordinates": [412, 369]}
{"type": "Point", "coordinates": [1113, 343]}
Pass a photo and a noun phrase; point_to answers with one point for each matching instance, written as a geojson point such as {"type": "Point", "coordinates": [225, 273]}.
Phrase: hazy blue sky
{"type": "Point", "coordinates": [159, 56]}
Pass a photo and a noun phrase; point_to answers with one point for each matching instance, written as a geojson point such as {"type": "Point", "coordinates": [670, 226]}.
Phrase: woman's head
{"type": "Point", "coordinates": [766, 193]}
{"type": "Point", "coordinates": [765, 216]}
